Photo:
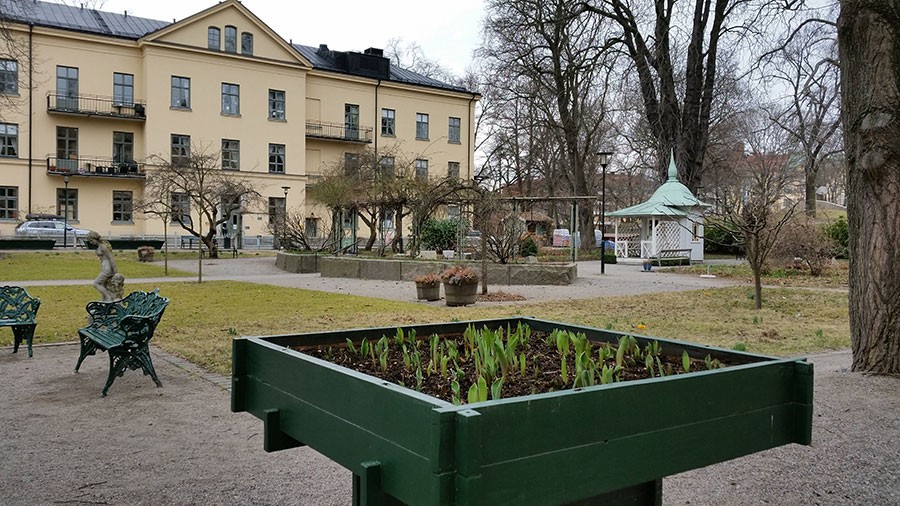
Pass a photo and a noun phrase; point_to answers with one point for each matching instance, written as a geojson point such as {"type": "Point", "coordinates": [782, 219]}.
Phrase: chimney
{"type": "Point", "coordinates": [374, 51]}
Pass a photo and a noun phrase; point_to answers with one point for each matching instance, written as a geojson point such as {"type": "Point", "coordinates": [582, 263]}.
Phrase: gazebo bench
{"type": "Point", "coordinates": [18, 310]}
{"type": "Point", "coordinates": [672, 257]}
{"type": "Point", "coordinates": [123, 329]}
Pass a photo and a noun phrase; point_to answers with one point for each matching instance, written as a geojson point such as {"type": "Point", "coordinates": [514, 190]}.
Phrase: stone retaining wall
{"type": "Point", "coordinates": [407, 270]}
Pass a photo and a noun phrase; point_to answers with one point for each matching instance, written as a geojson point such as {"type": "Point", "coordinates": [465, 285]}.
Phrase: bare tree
{"type": "Point", "coordinates": [807, 67]}
{"type": "Point", "coordinates": [196, 184]}
{"type": "Point", "coordinates": [545, 54]}
{"type": "Point", "coordinates": [754, 204]}
{"type": "Point", "coordinates": [869, 37]}
{"type": "Point", "coordinates": [675, 49]}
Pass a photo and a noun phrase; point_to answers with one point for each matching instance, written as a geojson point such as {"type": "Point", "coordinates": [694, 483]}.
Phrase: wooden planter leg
{"type": "Point", "coordinates": [273, 439]}
{"type": "Point", "coordinates": [367, 489]}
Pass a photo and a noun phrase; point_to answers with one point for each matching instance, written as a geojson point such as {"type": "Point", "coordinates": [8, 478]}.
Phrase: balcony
{"type": "Point", "coordinates": [338, 132]}
{"type": "Point", "coordinates": [101, 167]}
{"type": "Point", "coordinates": [93, 105]}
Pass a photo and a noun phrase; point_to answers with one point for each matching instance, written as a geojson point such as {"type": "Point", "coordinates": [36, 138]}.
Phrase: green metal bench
{"type": "Point", "coordinates": [18, 310]}
{"type": "Point", "coordinates": [123, 329]}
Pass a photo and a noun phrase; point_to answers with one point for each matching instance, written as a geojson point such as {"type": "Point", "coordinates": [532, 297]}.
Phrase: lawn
{"type": "Point", "coordinates": [203, 318]}
{"type": "Point", "coordinates": [78, 264]}
{"type": "Point", "coordinates": [836, 276]}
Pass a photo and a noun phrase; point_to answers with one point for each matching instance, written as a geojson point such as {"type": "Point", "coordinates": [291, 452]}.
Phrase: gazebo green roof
{"type": "Point", "coordinates": [670, 199]}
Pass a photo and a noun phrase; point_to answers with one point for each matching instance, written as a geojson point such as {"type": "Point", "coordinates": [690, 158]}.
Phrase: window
{"type": "Point", "coordinates": [276, 104]}
{"type": "Point", "coordinates": [453, 131]}
{"type": "Point", "coordinates": [453, 211]}
{"type": "Point", "coordinates": [453, 170]}
{"type": "Point", "coordinates": [123, 89]}
{"type": "Point", "coordinates": [181, 150]}
{"type": "Point", "coordinates": [123, 147]}
{"type": "Point", "coordinates": [181, 208]}
{"type": "Point", "coordinates": [122, 206]}
{"type": "Point", "coordinates": [231, 99]}
{"type": "Point", "coordinates": [231, 154]}
{"type": "Point", "coordinates": [9, 202]}
{"type": "Point", "coordinates": [67, 148]}
{"type": "Point", "coordinates": [213, 40]}
{"type": "Point", "coordinates": [246, 43]}
{"type": "Point", "coordinates": [67, 203]}
{"type": "Point", "coordinates": [9, 76]}
{"type": "Point", "coordinates": [276, 158]}
{"type": "Point", "coordinates": [9, 140]}
{"type": "Point", "coordinates": [230, 39]}
{"type": "Point", "coordinates": [311, 227]}
{"type": "Point", "coordinates": [67, 88]}
{"type": "Point", "coordinates": [386, 167]}
{"type": "Point", "coordinates": [181, 92]}
{"type": "Point", "coordinates": [351, 121]}
{"type": "Point", "coordinates": [351, 164]}
{"type": "Point", "coordinates": [696, 232]}
{"type": "Point", "coordinates": [276, 210]}
{"type": "Point", "coordinates": [421, 169]}
{"type": "Point", "coordinates": [388, 122]}
{"type": "Point", "coordinates": [421, 126]}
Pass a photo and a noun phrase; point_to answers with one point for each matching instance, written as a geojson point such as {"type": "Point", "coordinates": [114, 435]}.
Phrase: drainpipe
{"type": "Point", "coordinates": [30, 110]}
{"type": "Point", "coordinates": [375, 126]}
{"type": "Point", "coordinates": [470, 159]}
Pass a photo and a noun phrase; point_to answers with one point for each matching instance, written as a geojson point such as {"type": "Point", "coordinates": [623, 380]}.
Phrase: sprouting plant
{"type": "Point", "coordinates": [685, 361]}
{"type": "Point", "coordinates": [233, 332]}
{"type": "Point", "coordinates": [820, 333]}
{"type": "Point", "coordinates": [712, 363]}
{"type": "Point", "coordinates": [364, 348]}
{"type": "Point", "coordinates": [496, 387]}
{"type": "Point", "coordinates": [419, 379]}
{"type": "Point", "coordinates": [478, 392]}
{"type": "Point", "coordinates": [454, 388]}
{"type": "Point", "coordinates": [659, 367]}
{"type": "Point", "coordinates": [757, 320]}
{"type": "Point", "coordinates": [350, 346]}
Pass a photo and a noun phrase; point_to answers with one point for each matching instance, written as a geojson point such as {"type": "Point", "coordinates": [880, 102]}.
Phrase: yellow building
{"type": "Point", "coordinates": [92, 97]}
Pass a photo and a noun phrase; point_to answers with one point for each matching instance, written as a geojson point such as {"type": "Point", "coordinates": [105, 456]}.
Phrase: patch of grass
{"type": "Point", "coordinates": [202, 319]}
{"type": "Point", "coordinates": [80, 264]}
{"type": "Point", "coordinates": [836, 276]}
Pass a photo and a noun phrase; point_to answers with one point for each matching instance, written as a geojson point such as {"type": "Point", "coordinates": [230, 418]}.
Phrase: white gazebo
{"type": "Point", "coordinates": [669, 223]}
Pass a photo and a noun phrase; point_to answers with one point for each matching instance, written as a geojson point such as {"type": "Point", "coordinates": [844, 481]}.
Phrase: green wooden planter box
{"type": "Point", "coordinates": [606, 444]}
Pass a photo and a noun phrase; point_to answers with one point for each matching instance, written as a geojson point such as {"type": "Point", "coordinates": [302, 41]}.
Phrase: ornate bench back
{"type": "Point", "coordinates": [16, 304]}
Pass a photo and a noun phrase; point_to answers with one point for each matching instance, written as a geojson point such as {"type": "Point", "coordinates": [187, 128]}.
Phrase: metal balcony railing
{"type": "Point", "coordinates": [106, 167]}
{"type": "Point", "coordinates": [94, 105]}
{"type": "Point", "coordinates": [338, 132]}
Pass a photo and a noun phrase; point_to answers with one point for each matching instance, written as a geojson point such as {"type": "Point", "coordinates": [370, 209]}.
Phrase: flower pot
{"type": "Point", "coordinates": [430, 291]}
{"type": "Point", "coordinates": [460, 295]}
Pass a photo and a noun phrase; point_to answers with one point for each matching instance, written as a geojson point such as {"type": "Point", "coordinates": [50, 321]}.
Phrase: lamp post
{"type": "Point", "coordinates": [66, 215]}
{"type": "Point", "coordinates": [603, 157]}
{"type": "Point", "coordinates": [284, 219]}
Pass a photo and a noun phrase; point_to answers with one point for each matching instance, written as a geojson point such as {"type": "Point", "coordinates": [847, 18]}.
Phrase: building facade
{"type": "Point", "coordinates": [92, 101]}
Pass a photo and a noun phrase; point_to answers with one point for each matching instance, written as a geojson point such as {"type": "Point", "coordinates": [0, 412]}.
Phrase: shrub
{"type": "Point", "coordinates": [528, 247]}
{"type": "Point", "coordinates": [459, 275]}
{"type": "Point", "coordinates": [839, 232]}
{"type": "Point", "coordinates": [807, 241]}
{"type": "Point", "coordinates": [722, 240]}
{"type": "Point", "coordinates": [439, 234]}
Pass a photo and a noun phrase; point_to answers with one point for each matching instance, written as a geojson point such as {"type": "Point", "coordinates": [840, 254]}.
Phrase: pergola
{"type": "Point", "coordinates": [671, 219]}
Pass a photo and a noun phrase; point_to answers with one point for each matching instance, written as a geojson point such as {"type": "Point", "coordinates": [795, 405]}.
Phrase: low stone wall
{"type": "Point", "coordinates": [292, 262]}
{"type": "Point", "coordinates": [407, 270]}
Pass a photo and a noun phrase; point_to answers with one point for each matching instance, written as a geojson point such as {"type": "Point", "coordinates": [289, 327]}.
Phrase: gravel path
{"type": "Point", "coordinates": [62, 443]}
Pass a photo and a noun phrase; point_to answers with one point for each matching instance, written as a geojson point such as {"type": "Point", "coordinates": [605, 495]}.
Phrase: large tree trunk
{"type": "Point", "coordinates": [869, 41]}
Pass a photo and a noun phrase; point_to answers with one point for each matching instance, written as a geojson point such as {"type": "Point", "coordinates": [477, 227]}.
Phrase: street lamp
{"type": "Point", "coordinates": [66, 215]}
{"type": "Point", "coordinates": [603, 157]}
{"type": "Point", "coordinates": [284, 219]}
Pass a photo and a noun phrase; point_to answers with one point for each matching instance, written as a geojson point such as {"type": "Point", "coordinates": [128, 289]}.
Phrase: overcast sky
{"type": "Point", "coordinates": [447, 32]}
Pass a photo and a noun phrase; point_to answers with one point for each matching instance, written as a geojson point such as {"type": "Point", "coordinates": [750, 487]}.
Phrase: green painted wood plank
{"type": "Point", "coordinates": [610, 411]}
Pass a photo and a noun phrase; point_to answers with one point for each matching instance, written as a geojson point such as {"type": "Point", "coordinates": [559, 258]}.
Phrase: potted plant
{"type": "Point", "coordinates": [428, 286]}
{"type": "Point", "coordinates": [460, 285]}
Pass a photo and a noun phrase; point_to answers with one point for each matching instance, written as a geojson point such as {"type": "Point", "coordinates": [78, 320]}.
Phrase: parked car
{"type": "Point", "coordinates": [52, 229]}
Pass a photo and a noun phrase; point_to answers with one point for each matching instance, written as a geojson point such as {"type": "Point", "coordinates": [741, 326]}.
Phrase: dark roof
{"type": "Point", "coordinates": [325, 60]}
{"type": "Point", "coordinates": [130, 27]}
{"type": "Point", "coordinates": [78, 18]}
